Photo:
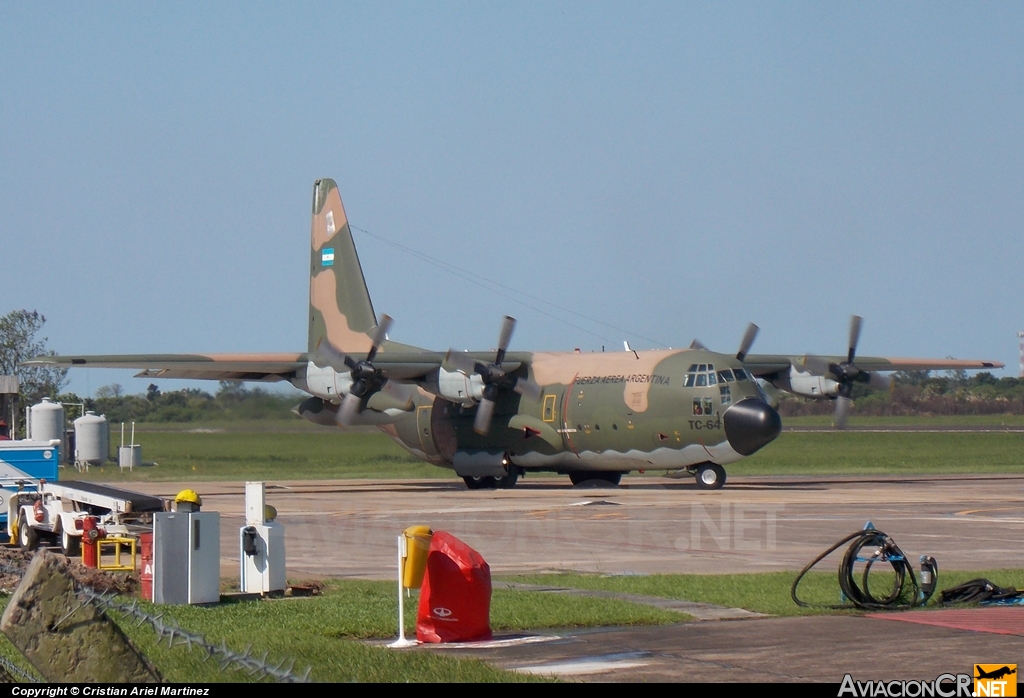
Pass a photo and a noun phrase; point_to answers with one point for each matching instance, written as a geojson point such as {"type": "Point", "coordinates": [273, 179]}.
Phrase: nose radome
{"type": "Point", "coordinates": [751, 424]}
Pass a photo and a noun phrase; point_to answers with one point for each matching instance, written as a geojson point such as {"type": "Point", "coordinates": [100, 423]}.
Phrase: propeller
{"type": "Point", "coordinates": [747, 341]}
{"type": "Point", "coordinates": [494, 377]}
{"type": "Point", "coordinates": [366, 378]}
{"type": "Point", "coordinates": [846, 374]}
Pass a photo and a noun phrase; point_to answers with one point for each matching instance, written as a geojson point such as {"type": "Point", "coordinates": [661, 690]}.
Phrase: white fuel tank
{"type": "Point", "coordinates": [92, 439]}
{"type": "Point", "coordinates": [47, 421]}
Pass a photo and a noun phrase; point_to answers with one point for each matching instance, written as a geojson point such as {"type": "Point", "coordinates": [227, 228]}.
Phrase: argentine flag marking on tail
{"type": "Point", "coordinates": [327, 257]}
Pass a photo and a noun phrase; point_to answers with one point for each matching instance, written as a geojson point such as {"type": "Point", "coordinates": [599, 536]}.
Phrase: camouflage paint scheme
{"type": "Point", "coordinates": [598, 414]}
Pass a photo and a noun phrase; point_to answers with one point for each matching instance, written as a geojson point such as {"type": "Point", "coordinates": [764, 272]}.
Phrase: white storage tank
{"type": "Point", "coordinates": [47, 421]}
{"type": "Point", "coordinates": [92, 439]}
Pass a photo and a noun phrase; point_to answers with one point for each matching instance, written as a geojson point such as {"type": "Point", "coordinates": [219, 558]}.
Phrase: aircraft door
{"type": "Point", "coordinates": [552, 413]}
{"type": "Point", "coordinates": [425, 429]}
{"type": "Point", "coordinates": [572, 409]}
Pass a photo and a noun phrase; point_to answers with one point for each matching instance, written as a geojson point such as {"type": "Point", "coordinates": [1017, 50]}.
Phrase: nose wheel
{"type": "Point", "coordinates": [710, 476]}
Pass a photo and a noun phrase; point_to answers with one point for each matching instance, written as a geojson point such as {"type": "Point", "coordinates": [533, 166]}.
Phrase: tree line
{"type": "Point", "coordinates": [232, 402]}
{"type": "Point", "coordinates": [911, 392]}
{"type": "Point", "coordinates": [925, 393]}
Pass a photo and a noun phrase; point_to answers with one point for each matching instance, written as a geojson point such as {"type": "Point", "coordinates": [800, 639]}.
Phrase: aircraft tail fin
{"type": "Point", "coordinates": [339, 302]}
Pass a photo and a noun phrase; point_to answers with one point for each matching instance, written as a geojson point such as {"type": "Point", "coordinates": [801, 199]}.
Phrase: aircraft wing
{"type": "Point", "coordinates": [227, 367]}
{"type": "Point", "coordinates": [401, 366]}
{"type": "Point", "coordinates": [767, 364]}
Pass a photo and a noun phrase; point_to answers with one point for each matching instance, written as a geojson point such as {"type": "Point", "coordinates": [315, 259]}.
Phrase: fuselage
{"type": "Point", "coordinates": [621, 411]}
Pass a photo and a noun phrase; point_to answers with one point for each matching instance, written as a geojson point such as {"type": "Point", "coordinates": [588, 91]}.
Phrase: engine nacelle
{"type": "Point", "coordinates": [806, 384]}
{"type": "Point", "coordinates": [456, 386]}
{"type": "Point", "coordinates": [326, 382]}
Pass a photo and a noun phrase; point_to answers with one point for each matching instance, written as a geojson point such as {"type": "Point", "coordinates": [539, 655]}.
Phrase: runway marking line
{"type": "Point", "coordinates": [493, 644]}
{"type": "Point", "coordinates": [968, 512]}
{"type": "Point", "coordinates": [588, 665]}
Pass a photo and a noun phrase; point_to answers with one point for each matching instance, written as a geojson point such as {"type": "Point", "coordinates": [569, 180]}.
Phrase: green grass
{"type": "Point", "coordinates": [965, 420]}
{"type": "Point", "coordinates": [293, 450]}
{"type": "Point", "coordinates": [763, 592]}
{"type": "Point", "coordinates": [897, 453]}
{"type": "Point", "coordinates": [269, 455]}
{"type": "Point", "coordinates": [340, 635]}
{"type": "Point", "coordinates": [328, 633]}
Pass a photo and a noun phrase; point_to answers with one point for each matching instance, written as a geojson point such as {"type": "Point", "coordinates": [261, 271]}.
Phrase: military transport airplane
{"type": "Point", "coordinates": [490, 416]}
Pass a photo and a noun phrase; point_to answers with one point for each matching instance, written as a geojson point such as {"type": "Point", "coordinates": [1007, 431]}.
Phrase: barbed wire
{"type": "Point", "coordinates": [14, 669]}
{"type": "Point", "coordinates": [176, 636]}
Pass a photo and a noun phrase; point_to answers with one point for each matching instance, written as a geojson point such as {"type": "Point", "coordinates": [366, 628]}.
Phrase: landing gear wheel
{"type": "Point", "coordinates": [596, 478]}
{"type": "Point", "coordinates": [710, 476]}
{"type": "Point", "coordinates": [70, 545]}
{"type": "Point", "coordinates": [510, 478]}
{"type": "Point", "coordinates": [481, 483]}
{"type": "Point", "coordinates": [28, 537]}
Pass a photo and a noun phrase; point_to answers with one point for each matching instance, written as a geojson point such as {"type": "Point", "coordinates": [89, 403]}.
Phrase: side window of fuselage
{"type": "Point", "coordinates": [726, 394]}
{"type": "Point", "coordinates": [549, 408]}
{"type": "Point", "coordinates": [703, 406]}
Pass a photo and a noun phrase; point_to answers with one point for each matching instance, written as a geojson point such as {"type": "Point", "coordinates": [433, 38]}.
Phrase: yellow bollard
{"type": "Point", "coordinates": [417, 545]}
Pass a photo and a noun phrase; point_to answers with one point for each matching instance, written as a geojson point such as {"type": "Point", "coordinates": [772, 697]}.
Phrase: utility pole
{"type": "Point", "coordinates": [1020, 336]}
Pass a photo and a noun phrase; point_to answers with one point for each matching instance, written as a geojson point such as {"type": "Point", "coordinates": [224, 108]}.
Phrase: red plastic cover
{"type": "Point", "coordinates": [455, 600]}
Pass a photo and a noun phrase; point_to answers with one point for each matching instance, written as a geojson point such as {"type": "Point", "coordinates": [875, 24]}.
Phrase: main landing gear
{"type": "Point", "coordinates": [709, 476]}
{"type": "Point", "coordinates": [506, 482]}
{"type": "Point", "coordinates": [597, 478]}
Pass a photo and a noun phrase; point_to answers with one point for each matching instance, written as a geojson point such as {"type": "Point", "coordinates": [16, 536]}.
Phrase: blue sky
{"type": "Point", "coordinates": [675, 170]}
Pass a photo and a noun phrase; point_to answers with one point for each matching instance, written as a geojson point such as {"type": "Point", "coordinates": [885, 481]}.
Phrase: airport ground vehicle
{"type": "Point", "coordinates": [57, 511]}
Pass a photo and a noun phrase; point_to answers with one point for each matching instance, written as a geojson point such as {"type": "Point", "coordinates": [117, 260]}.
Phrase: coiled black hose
{"type": "Point", "coordinates": [978, 590]}
{"type": "Point", "coordinates": [859, 595]}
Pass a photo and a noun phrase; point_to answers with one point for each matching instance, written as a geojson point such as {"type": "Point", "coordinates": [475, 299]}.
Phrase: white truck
{"type": "Point", "coordinates": [56, 510]}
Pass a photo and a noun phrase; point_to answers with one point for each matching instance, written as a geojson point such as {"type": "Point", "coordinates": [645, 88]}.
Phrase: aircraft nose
{"type": "Point", "coordinates": [751, 424]}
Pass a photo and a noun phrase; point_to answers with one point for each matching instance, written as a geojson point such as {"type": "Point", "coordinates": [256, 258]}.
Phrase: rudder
{"type": "Point", "coordinates": [339, 302]}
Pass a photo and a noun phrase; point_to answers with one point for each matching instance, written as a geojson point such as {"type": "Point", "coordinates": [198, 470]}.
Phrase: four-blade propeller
{"type": "Point", "coordinates": [494, 377]}
{"type": "Point", "coordinates": [846, 374]}
{"type": "Point", "coordinates": [366, 378]}
{"type": "Point", "coordinates": [745, 343]}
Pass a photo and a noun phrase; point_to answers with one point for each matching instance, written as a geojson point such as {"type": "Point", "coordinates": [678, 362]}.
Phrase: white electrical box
{"type": "Point", "coordinates": [262, 556]}
{"type": "Point", "coordinates": [261, 546]}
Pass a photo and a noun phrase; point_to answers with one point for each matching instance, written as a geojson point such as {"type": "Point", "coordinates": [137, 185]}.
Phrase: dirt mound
{"type": "Point", "coordinates": [14, 560]}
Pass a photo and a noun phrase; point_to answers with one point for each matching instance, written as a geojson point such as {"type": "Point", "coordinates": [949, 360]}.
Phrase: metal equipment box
{"type": "Point", "coordinates": [186, 557]}
{"type": "Point", "coordinates": [26, 462]}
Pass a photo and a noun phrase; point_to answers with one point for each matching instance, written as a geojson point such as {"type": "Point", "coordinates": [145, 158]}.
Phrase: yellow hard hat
{"type": "Point", "coordinates": [190, 496]}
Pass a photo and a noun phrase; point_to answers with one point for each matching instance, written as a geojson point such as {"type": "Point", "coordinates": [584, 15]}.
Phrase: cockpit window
{"type": "Point", "coordinates": [705, 375]}
{"type": "Point", "coordinates": [701, 375]}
